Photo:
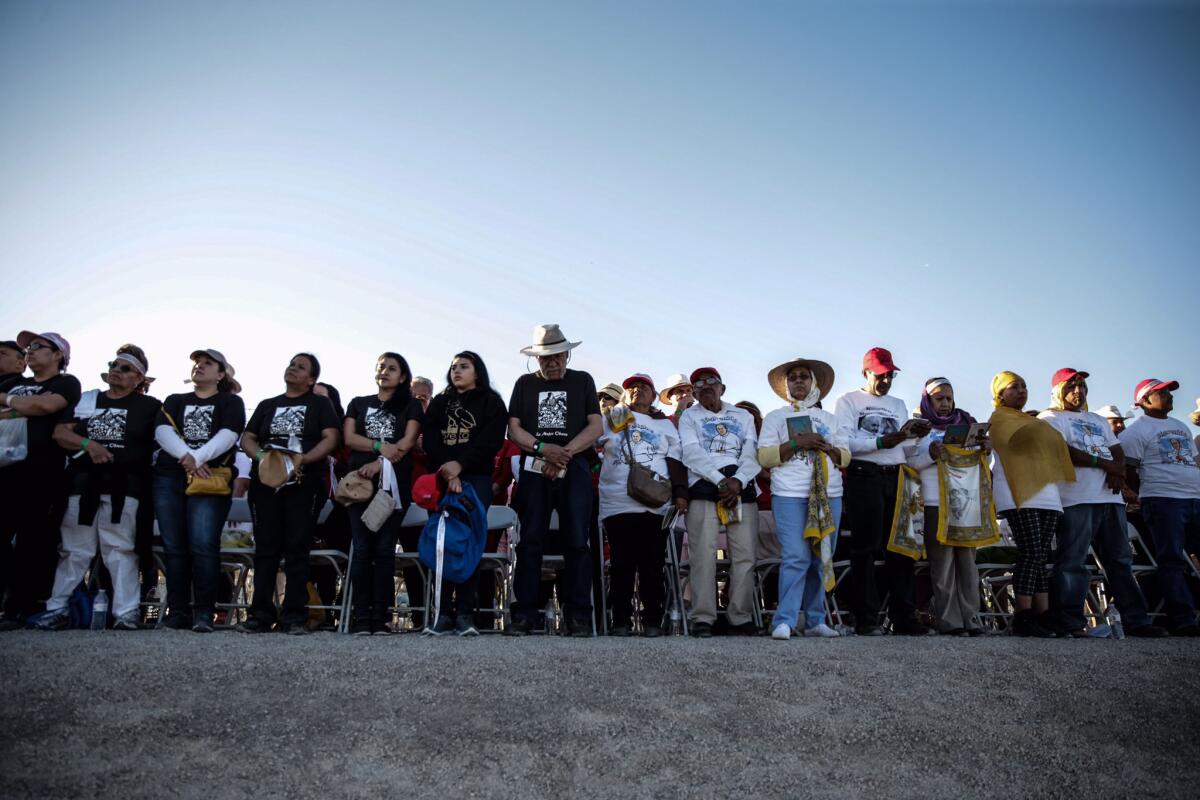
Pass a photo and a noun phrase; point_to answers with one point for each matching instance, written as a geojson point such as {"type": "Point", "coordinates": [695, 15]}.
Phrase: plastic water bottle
{"type": "Point", "coordinates": [674, 629]}
{"type": "Point", "coordinates": [550, 617]}
{"type": "Point", "coordinates": [1114, 623]}
{"type": "Point", "coordinates": [100, 611]}
{"type": "Point", "coordinates": [402, 600]}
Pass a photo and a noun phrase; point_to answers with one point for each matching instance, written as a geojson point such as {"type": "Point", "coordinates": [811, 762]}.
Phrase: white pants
{"type": "Point", "coordinates": [116, 548]}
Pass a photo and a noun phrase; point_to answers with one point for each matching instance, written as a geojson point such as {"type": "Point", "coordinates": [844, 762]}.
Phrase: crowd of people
{"type": "Point", "coordinates": [114, 468]}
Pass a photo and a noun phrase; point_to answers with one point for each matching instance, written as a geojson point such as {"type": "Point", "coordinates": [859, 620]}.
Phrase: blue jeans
{"type": "Point", "coordinates": [1174, 524]}
{"type": "Point", "coordinates": [538, 496]}
{"type": "Point", "coordinates": [1102, 527]}
{"type": "Point", "coordinates": [801, 584]}
{"type": "Point", "coordinates": [191, 533]}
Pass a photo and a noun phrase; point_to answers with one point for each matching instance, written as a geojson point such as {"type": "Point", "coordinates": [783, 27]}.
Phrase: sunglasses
{"type": "Point", "coordinates": [35, 346]}
{"type": "Point", "coordinates": [712, 380]}
{"type": "Point", "coordinates": [120, 366]}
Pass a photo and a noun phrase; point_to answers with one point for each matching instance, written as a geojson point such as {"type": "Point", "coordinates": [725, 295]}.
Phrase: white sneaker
{"type": "Point", "coordinates": [823, 631]}
{"type": "Point", "coordinates": [782, 631]}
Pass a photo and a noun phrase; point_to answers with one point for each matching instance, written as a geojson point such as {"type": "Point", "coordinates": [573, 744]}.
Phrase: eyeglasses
{"type": "Point", "coordinates": [120, 366]}
{"type": "Point", "coordinates": [712, 380]}
{"type": "Point", "coordinates": [35, 346]}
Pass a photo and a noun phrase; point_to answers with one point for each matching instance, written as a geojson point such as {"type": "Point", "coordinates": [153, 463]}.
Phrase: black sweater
{"type": "Point", "coordinates": [468, 428]}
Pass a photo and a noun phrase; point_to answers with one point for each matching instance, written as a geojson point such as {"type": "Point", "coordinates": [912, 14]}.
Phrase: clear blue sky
{"type": "Point", "coordinates": [976, 186]}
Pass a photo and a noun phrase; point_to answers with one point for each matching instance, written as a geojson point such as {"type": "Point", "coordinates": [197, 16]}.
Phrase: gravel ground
{"type": "Point", "coordinates": [175, 714]}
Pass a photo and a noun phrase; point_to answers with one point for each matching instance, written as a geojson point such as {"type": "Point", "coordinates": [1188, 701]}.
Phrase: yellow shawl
{"type": "Point", "coordinates": [1033, 453]}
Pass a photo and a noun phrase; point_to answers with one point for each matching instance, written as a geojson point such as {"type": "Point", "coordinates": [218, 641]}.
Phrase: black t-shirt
{"type": "Point", "coordinates": [376, 423]}
{"type": "Point", "coordinates": [43, 452]}
{"type": "Point", "coordinates": [467, 428]}
{"type": "Point", "coordinates": [276, 420]}
{"type": "Point", "coordinates": [197, 419]}
{"type": "Point", "coordinates": [554, 411]}
{"type": "Point", "coordinates": [126, 428]}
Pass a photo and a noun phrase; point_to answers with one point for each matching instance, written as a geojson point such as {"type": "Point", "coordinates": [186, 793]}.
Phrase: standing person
{"type": "Point", "coordinates": [381, 425]}
{"type": "Point", "coordinates": [677, 395]}
{"type": "Point", "coordinates": [303, 422]}
{"type": "Point", "coordinates": [463, 431]}
{"type": "Point", "coordinates": [1029, 462]}
{"type": "Point", "coordinates": [1115, 418]}
{"type": "Point", "coordinates": [107, 480]}
{"type": "Point", "coordinates": [12, 361]}
{"type": "Point", "coordinates": [608, 396]}
{"type": "Point", "coordinates": [804, 447]}
{"type": "Point", "coordinates": [198, 433]}
{"type": "Point", "coordinates": [874, 419]}
{"type": "Point", "coordinates": [636, 537]}
{"type": "Point", "coordinates": [29, 488]}
{"type": "Point", "coordinates": [422, 391]}
{"type": "Point", "coordinates": [555, 419]}
{"type": "Point", "coordinates": [719, 447]}
{"type": "Point", "coordinates": [952, 572]}
{"type": "Point", "coordinates": [1093, 514]}
{"type": "Point", "coordinates": [1161, 461]}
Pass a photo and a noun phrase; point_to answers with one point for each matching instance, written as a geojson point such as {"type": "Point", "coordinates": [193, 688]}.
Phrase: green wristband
{"type": "Point", "coordinates": [377, 445]}
{"type": "Point", "coordinates": [537, 447]}
{"type": "Point", "coordinates": [878, 442]}
{"type": "Point", "coordinates": [1095, 461]}
{"type": "Point", "coordinates": [258, 455]}
{"type": "Point", "coordinates": [792, 442]}
{"type": "Point", "coordinates": [83, 445]}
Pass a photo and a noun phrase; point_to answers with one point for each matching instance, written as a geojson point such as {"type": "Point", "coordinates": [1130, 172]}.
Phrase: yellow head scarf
{"type": "Point", "coordinates": [1001, 382]}
{"type": "Point", "coordinates": [1056, 398]}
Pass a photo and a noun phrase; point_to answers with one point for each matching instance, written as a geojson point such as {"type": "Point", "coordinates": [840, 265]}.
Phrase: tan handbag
{"type": "Point", "coordinates": [353, 488]}
{"type": "Point", "coordinates": [219, 483]}
{"type": "Point", "coordinates": [645, 485]}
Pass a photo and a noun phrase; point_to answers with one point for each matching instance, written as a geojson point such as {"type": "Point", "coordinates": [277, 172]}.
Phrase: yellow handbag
{"type": "Point", "coordinates": [219, 482]}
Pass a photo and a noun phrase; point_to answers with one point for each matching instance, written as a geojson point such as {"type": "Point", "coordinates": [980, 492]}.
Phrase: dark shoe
{"type": "Point", "coordinates": [1025, 623]}
{"type": "Point", "coordinates": [380, 627]}
{"type": "Point", "coordinates": [177, 622]}
{"type": "Point", "coordinates": [911, 628]}
{"type": "Point", "coordinates": [973, 632]}
{"type": "Point", "coordinates": [465, 626]}
{"type": "Point", "coordinates": [1147, 631]}
{"type": "Point", "coordinates": [702, 630]}
{"type": "Point", "coordinates": [296, 629]}
{"type": "Point", "coordinates": [253, 625]}
{"type": "Point", "coordinates": [953, 632]}
{"type": "Point", "coordinates": [579, 627]}
{"type": "Point", "coordinates": [870, 630]}
{"type": "Point", "coordinates": [443, 626]}
{"type": "Point", "coordinates": [620, 630]}
{"type": "Point", "coordinates": [652, 631]}
{"type": "Point", "coordinates": [202, 625]}
{"type": "Point", "coordinates": [1186, 630]}
{"type": "Point", "coordinates": [361, 627]}
{"type": "Point", "coordinates": [518, 627]}
{"type": "Point", "coordinates": [745, 629]}
{"type": "Point", "coordinates": [11, 624]}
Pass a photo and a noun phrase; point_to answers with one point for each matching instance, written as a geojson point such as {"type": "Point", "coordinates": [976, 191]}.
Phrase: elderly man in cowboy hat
{"type": "Point", "coordinates": [554, 417]}
{"type": "Point", "coordinates": [719, 446]}
{"type": "Point", "coordinates": [677, 394]}
{"type": "Point", "coordinates": [874, 419]}
{"type": "Point", "coordinates": [1162, 465]}
{"type": "Point", "coordinates": [804, 447]}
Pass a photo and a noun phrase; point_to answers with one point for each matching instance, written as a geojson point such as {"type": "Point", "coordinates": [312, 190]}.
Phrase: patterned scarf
{"type": "Point", "coordinates": [819, 525]}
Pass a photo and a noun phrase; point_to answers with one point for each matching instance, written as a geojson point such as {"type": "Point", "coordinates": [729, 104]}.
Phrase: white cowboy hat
{"type": "Point", "coordinates": [1110, 411]}
{"type": "Point", "coordinates": [548, 340]}
{"type": "Point", "coordinates": [673, 382]}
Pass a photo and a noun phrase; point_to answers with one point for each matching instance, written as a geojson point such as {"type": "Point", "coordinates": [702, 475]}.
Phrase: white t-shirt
{"type": "Point", "coordinates": [653, 441]}
{"type": "Point", "coordinates": [1167, 455]}
{"type": "Point", "coordinates": [711, 440]}
{"type": "Point", "coordinates": [1048, 497]}
{"type": "Point", "coordinates": [1092, 434]}
{"type": "Point", "coordinates": [920, 460]}
{"type": "Point", "coordinates": [793, 478]}
{"type": "Point", "coordinates": [868, 417]}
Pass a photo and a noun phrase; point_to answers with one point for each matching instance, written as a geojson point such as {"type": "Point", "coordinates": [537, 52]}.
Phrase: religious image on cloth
{"type": "Point", "coordinates": [908, 521]}
{"type": "Point", "coordinates": [967, 515]}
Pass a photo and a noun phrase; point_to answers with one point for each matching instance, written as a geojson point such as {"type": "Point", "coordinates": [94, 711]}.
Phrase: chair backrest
{"type": "Point", "coordinates": [501, 518]}
{"type": "Point", "coordinates": [415, 517]}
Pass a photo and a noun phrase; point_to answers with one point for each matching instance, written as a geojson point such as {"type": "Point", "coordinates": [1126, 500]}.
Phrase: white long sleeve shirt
{"type": "Point", "coordinates": [712, 440]}
{"type": "Point", "coordinates": [869, 417]}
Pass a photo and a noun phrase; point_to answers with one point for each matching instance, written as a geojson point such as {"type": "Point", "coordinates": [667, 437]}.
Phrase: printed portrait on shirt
{"type": "Point", "coordinates": [645, 443]}
{"type": "Point", "coordinates": [1088, 436]}
{"type": "Point", "coordinates": [459, 424]}
{"type": "Point", "coordinates": [1175, 448]}
{"type": "Point", "coordinates": [197, 423]}
{"type": "Point", "coordinates": [877, 422]}
{"type": "Point", "coordinates": [24, 391]}
{"type": "Point", "coordinates": [108, 425]}
{"type": "Point", "coordinates": [810, 456]}
{"type": "Point", "coordinates": [288, 420]}
{"type": "Point", "coordinates": [552, 410]}
{"type": "Point", "coordinates": [379, 424]}
{"type": "Point", "coordinates": [722, 436]}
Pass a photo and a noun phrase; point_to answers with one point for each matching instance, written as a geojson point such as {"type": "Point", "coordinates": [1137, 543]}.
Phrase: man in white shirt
{"type": "Point", "coordinates": [1093, 513]}
{"type": "Point", "coordinates": [1161, 463]}
{"type": "Point", "coordinates": [720, 476]}
{"type": "Point", "coordinates": [874, 419]}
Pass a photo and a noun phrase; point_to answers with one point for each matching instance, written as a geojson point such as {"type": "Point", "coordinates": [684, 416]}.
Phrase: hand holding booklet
{"type": "Point", "coordinates": [915, 428]}
{"type": "Point", "coordinates": [972, 435]}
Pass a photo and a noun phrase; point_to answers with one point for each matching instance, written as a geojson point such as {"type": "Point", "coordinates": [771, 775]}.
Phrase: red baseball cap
{"type": "Point", "coordinates": [427, 491]}
{"type": "Point", "coordinates": [701, 370]}
{"type": "Point", "coordinates": [639, 377]}
{"type": "Point", "coordinates": [1065, 374]}
{"type": "Point", "coordinates": [879, 361]}
{"type": "Point", "coordinates": [1152, 385]}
